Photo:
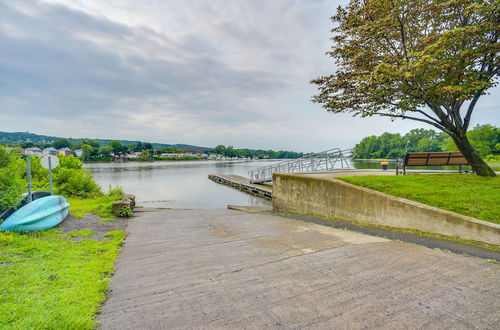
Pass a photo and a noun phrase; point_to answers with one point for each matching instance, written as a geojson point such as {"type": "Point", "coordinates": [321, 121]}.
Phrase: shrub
{"type": "Point", "coordinates": [70, 179]}
{"type": "Point", "coordinates": [12, 184]}
{"type": "Point", "coordinates": [125, 212]}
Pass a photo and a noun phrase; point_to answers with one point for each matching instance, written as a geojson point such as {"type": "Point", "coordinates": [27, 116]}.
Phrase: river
{"type": "Point", "coordinates": [177, 184]}
{"type": "Point", "coordinates": [184, 184]}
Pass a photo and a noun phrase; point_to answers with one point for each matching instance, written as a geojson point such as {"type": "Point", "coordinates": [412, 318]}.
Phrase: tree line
{"type": "Point", "coordinates": [229, 151]}
{"type": "Point", "coordinates": [94, 150]}
{"type": "Point", "coordinates": [484, 138]}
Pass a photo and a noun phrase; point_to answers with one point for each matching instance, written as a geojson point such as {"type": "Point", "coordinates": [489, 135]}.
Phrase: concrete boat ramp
{"type": "Point", "coordinates": [228, 269]}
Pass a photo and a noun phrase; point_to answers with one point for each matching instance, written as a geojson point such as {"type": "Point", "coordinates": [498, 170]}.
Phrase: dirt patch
{"type": "Point", "coordinates": [94, 223]}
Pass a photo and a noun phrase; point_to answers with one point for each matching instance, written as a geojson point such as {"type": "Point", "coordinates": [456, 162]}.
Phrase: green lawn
{"type": "Point", "coordinates": [49, 281]}
{"type": "Point", "coordinates": [79, 207]}
{"type": "Point", "coordinates": [465, 194]}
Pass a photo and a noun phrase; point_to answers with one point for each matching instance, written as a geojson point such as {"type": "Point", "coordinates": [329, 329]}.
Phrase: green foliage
{"type": "Point", "coordinates": [100, 205]}
{"type": "Point", "coordinates": [470, 195]}
{"type": "Point", "coordinates": [12, 184]}
{"type": "Point", "coordinates": [483, 137]}
{"type": "Point", "coordinates": [486, 139]}
{"type": "Point", "coordinates": [400, 56]}
{"type": "Point", "coordinates": [70, 179]}
{"type": "Point", "coordinates": [81, 233]}
{"type": "Point", "coordinates": [41, 141]}
{"type": "Point", "coordinates": [146, 155]}
{"type": "Point", "coordinates": [249, 153]}
{"type": "Point", "coordinates": [125, 212]}
{"type": "Point", "coordinates": [117, 147]}
{"type": "Point", "coordinates": [169, 150]}
{"type": "Point", "coordinates": [61, 143]}
{"type": "Point", "coordinates": [52, 282]}
{"type": "Point", "coordinates": [415, 59]}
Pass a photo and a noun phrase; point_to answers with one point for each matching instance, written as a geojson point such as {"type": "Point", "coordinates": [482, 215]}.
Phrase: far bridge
{"type": "Point", "coordinates": [322, 161]}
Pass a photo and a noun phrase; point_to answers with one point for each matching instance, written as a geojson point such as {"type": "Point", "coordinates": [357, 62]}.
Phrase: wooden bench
{"type": "Point", "coordinates": [432, 159]}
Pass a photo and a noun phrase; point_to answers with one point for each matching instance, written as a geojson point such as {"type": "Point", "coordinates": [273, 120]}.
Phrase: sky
{"type": "Point", "coordinates": [200, 72]}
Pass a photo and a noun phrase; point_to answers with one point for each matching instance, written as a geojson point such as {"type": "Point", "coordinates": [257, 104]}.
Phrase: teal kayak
{"type": "Point", "coordinates": [41, 214]}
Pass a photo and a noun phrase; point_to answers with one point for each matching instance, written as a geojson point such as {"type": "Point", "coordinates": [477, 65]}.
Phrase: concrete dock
{"type": "Point", "coordinates": [226, 269]}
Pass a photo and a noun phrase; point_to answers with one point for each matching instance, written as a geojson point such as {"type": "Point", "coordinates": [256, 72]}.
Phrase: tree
{"type": "Point", "coordinates": [87, 152]}
{"type": "Point", "coordinates": [60, 143]}
{"type": "Point", "coordinates": [484, 138]}
{"type": "Point", "coordinates": [219, 150]}
{"type": "Point", "coordinates": [105, 151]}
{"type": "Point", "coordinates": [117, 147]}
{"type": "Point", "coordinates": [423, 60]}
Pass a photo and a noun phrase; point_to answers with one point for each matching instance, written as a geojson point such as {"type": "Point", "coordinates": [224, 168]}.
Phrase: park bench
{"type": "Point", "coordinates": [432, 159]}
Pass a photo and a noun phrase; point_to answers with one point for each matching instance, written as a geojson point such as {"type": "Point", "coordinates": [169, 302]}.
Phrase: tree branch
{"type": "Point", "coordinates": [430, 117]}
{"type": "Point", "coordinates": [472, 104]}
{"type": "Point", "coordinates": [438, 126]}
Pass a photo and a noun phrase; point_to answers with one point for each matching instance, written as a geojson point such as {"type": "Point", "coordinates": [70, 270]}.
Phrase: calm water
{"type": "Point", "coordinates": [182, 184]}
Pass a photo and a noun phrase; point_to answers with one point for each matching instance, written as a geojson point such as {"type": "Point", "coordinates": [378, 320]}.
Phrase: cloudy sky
{"type": "Point", "coordinates": [202, 72]}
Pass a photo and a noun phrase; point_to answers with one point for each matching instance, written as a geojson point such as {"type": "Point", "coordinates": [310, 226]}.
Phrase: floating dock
{"type": "Point", "coordinates": [243, 184]}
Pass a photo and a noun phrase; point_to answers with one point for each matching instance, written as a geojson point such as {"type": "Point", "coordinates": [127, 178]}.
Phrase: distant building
{"type": "Point", "coordinates": [65, 152]}
{"type": "Point", "coordinates": [34, 151]}
{"type": "Point", "coordinates": [133, 155]}
{"type": "Point", "coordinates": [78, 152]}
{"type": "Point", "coordinates": [50, 151]}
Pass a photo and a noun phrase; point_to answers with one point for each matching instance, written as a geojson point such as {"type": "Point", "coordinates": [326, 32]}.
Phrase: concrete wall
{"type": "Point", "coordinates": [334, 198]}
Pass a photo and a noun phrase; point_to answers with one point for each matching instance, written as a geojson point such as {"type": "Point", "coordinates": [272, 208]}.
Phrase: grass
{"type": "Point", "coordinates": [466, 194]}
{"type": "Point", "coordinates": [100, 205]}
{"type": "Point", "coordinates": [49, 281]}
{"type": "Point", "coordinates": [495, 166]}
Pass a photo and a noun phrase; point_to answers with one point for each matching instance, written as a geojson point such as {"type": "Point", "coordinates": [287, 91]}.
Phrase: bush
{"type": "Point", "coordinates": [12, 184]}
{"type": "Point", "coordinates": [70, 179]}
{"type": "Point", "coordinates": [125, 212]}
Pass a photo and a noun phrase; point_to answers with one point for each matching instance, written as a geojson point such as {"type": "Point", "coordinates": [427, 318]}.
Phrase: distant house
{"type": "Point", "coordinates": [78, 152]}
{"type": "Point", "coordinates": [173, 155]}
{"type": "Point", "coordinates": [50, 151]}
{"type": "Point", "coordinates": [34, 151]}
{"type": "Point", "coordinates": [65, 152]}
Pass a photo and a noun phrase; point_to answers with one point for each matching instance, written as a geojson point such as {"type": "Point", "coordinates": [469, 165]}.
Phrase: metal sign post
{"type": "Point", "coordinates": [50, 177]}
{"type": "Point", "coordinates": [50, 162]}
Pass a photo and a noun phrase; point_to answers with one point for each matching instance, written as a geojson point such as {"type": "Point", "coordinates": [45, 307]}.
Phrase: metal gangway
{"type": "Point", "coordinates": [322, 161]}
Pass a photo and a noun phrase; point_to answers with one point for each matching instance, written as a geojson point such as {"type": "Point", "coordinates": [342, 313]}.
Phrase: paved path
{"type": "Point", "coordinates": [195, 269]}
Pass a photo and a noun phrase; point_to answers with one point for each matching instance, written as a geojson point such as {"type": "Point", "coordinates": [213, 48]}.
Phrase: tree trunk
{"type": "Point", "coordinates": [477, 163]}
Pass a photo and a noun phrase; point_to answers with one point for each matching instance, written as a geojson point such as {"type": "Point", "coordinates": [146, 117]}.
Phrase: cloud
{"type": "Point", "coordinates": [186, 71]}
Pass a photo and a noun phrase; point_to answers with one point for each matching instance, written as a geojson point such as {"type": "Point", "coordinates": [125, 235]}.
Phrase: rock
{"type": "Point", "coordinates": [127, 200]}
{"type": "Point", "coordinates": [131, 198]}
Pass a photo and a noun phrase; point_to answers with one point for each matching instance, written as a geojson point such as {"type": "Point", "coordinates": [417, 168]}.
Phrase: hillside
{"type": "Point", "coordinates": [21, 137]}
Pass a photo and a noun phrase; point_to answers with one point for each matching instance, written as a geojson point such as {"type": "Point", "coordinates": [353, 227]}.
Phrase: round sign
{"type": "Point", "coordinates": [53, 161]}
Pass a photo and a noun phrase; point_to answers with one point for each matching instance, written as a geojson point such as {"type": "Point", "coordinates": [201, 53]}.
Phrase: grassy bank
{"type": "Point", "coordinates": [100, 205]}
{"type": "Point", "coordinates": [57, 280]}
{"type": "Point", "coordinates": [465, 194]}
{"type": "Point", "coordinates": [51, 280]}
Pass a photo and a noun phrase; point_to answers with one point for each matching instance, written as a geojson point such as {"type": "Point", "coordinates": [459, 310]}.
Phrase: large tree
{"type": "Point", "coordinates": [423, 60]}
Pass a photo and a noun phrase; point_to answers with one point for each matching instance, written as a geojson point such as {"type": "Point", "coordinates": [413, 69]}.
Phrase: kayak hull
{"type": "Point", "coordinates": [43, 213]}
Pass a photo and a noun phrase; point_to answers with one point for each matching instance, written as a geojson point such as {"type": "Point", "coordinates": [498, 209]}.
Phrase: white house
{"type": "Point", "coordinates": [34, 151]}
{"type": "Point", "coordinates": [78, 152]}
{"type": "Point", "coordinates": [50, 151]}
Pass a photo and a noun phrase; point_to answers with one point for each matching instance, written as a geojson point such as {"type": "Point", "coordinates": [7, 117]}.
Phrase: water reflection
{"type": "Point", "coordinates": [182, 184]}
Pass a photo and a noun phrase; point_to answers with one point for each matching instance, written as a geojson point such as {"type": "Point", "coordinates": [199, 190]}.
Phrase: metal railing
{"type": "Point", "coordinates": [322, 161]}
